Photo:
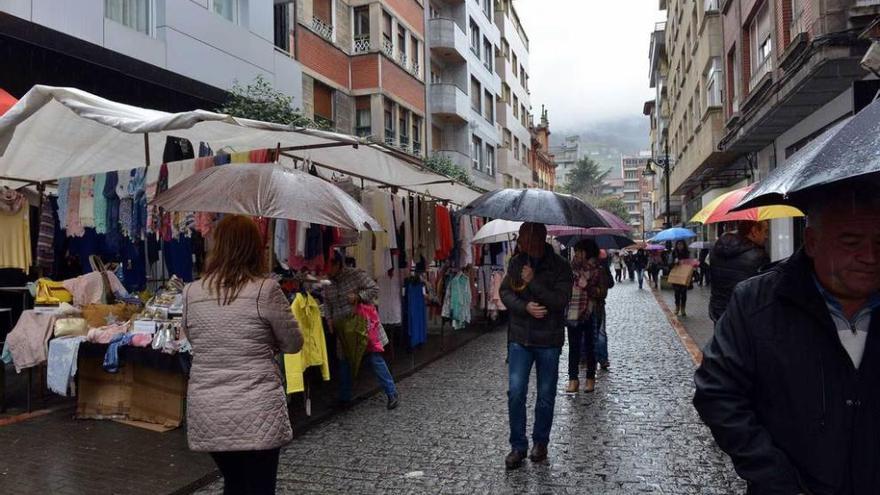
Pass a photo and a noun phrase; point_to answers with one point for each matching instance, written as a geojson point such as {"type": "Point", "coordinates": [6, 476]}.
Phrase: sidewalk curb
{"type": "Point", "coordinates": [686, 340]}
{"type": "Point", "coordinates": [322, 418]}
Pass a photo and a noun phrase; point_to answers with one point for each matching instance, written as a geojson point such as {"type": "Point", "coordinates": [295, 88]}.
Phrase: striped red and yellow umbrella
{"type": "Point", "coordinates": [719, 209]}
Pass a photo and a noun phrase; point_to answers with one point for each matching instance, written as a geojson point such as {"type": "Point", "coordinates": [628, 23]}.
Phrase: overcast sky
{"type": "Point", "coordinates": [589, 58]}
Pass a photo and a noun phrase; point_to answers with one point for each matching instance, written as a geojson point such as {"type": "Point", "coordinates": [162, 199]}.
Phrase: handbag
{"type": "Point", "coordinates": [50, 292]}
{"type": "Point", "coordinates": [71, 326]}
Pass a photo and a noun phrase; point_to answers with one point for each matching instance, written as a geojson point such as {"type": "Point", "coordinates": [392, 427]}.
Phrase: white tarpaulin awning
{"type": "Point", "coordinates": [54, 132]}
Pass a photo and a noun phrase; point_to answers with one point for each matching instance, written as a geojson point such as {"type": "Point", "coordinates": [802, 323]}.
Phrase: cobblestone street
{"type": "Point", "coordinates": [637, 434]}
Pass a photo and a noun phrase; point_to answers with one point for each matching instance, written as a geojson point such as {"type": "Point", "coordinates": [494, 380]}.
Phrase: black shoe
{"type": "Point", "coordinates": [393, 402]}
{"type": "Point", "coordinates": [539, 453]}
{"type": "Point", "coordinates": [514, 459]}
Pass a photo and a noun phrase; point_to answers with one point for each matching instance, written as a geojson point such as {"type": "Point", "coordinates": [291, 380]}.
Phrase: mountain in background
{"type": "Point", "coordinates": [606, 141]}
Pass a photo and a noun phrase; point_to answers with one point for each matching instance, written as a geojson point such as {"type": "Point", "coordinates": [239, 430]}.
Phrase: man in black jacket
{"type": "Point", "coordinates": [536, 291]}
{"type": "Point", "coordinates": [735, 257]}
{"type": "Point", "coordinates": [789, 383]}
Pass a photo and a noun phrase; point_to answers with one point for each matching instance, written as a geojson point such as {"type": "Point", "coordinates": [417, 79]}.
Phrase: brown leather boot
{"type": "Point", "coordinates": [514, 459]}
{"type": "Point", "coordinates": [590, 385]}
{"type": "Point", "coordinates": [539, 453]}
{"type": "Point", "coordinates": [573, 386]}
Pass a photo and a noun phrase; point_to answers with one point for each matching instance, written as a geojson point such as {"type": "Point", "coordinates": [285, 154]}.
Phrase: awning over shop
{"type": "Point", "coordinates": [64, 132]}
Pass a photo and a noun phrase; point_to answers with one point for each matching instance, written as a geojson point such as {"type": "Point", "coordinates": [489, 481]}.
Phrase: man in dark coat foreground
{"type": "Point", "coordinates": [789, 384]}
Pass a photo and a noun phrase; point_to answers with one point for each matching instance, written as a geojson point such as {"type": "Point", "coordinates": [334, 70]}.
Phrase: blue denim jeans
{"type": "Point", "coordinates": [641, 276]}
{"type": "Point", "coordinates": [380, 370]}
{"type": "Point", "coordinates": [601, 335]}
{"type": "Point", "coordinates": [546, 361]}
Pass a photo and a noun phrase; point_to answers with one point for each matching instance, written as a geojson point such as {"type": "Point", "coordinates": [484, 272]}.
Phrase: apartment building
{"type": "Point", "coordinates": [171, 55]}
{"type": "Point", "coordinates": [792, 70]}
{"type": "Point", "coordinates": [567, 155]}
{"type": "Point", "coordinates": [541, 161]}
{"type": "Point", "coordinates": [635, 188]}
{"type": "Point", "coordinates": [363, 66]}
{"type": "Point", "coordinates": [514, 106]}
{"type": "Point", "coordinates": [464, 86]}
{"type": "Point", "coordinates": [687, 73]}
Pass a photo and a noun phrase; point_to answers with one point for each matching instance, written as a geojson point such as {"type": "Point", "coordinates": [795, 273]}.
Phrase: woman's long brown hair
{"type": "Point", "coordinates": [236, 258]}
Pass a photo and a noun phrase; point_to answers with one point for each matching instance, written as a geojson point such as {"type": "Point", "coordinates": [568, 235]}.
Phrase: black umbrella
{"type": "Point", "coordinates": [603, 241]}
{"type": "Point", "coordinates": [535, 205]}
{"type": "Point", "coordinates": [850, 150]}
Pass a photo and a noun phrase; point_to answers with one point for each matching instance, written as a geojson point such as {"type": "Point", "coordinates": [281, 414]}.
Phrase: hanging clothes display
{"type": "Point", "coordinates": [100, 204]}
{"type": "Point", "coordinates": [87, 201]}
{"type": "Point", "coordinates": [314, 351]}
{"type": "Point", "coordinates": [74, 224]}
{"type": "Point", "coordinates": [457, 302]}
{"type": "Point", "coordinates": [46, 238]}
{"type": "Point", "coordinates": [15, 243]}
{"type": "Point", "coordinates": [390, 309]}
{"type": "Point", "coordinates": [416, 312]}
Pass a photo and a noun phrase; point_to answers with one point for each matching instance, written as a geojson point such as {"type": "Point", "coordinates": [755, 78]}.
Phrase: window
{"type": "Point", "coordinates": [525, 153]}
{"type": "Point", "coordinates": [436, 77]}
{"type": "Point", "coordinates": [713, 83]}
{"type": "Point", "coordinates": [733, 82]}
{"type": "Point", "coordinates": [404, 128]}
{"type": "Point", "coordinates": [516, 148]}
{"type": "Point", "coordinates": [488, 106]}
{"type": "Point", "coordinates": [323, 103]}
{"type": "Point", "coordinates": [487, 54]}
{"type": "Point", "coordinates": [515, 64]}
{"type": "Point", "coordinates": [228, 9]}
{"type": "Point", "coordinates": [283, 14]}
{"type": "Point", "coordinates": [523, 116]}
{"type": "Point", "coordinates": [414, 55]}
{"type": "Point", "coordinates": [361, 29]}
{"type": "Point", "coordinates": [134, 14]}
{"type": "Point", "coordinates": [505, 93]}
{"type": "Point", "coordinates": [417, 134]}
{"type": "Point", "coordinates": [487, 8]}
{"type": "Point", "coordinates": [507, 137]}
{"type": "Point", "coordinates": [475, 38]}
{"type": "Point", "coordinates": [363, 118]}
{"type": "Point", "coordinates": [522, 75]}
{"type": "Point", "coordinates": [389, 122]}
{"type": "Point", "coordinates": [698, 106]}
{"type": "Point", "coordinates": [490, 160]}
{"type": "Point", "coordinates": [477, 153]}
{"type": "Point", "coordinates": [401, 45]}
{"type": "Point", "coordinates": [761, 41]}
{"type": "Point", "coordinates": [515, 106]}
{"type": "Point", "coordinates": [505, 49]}
{"type": "Point", "coordinates": [476, 91]}
{"type": "Point", "coordinates": [387, 40]}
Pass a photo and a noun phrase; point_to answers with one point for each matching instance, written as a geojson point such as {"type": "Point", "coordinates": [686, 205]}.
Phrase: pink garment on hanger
{"type": "Point", "coordinates": [74, 223]}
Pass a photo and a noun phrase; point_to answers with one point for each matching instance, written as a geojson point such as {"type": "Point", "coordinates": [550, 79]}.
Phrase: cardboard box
{"type": "Point", "coordinates": [138, 394]}
{"type": "Point", "coordinates": [681, 275]}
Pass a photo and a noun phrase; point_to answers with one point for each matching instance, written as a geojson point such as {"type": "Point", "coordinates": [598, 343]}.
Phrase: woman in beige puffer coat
{"type": "Point", "coordinates": [237, 321]}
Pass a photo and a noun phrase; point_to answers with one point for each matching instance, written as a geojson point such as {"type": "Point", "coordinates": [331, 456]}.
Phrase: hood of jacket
{"type": "Point", "coordinates": [732, 245]}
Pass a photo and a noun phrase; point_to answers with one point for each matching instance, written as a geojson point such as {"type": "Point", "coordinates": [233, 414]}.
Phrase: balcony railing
{"type": "Point", "coordinates": [416, 148]}
{"type": "Point", "coordinates": [388, 47]}
{"type": "Point", "coordinates": [402, 58]}
{"type": "Point", "coordinates": [322, 28]}
{"type": "Point", "coordinates": [415, 68]}
{"type": "Point", "coordinates": [389, 137]}
{"type": "Point", "coordinates": [362, 44]}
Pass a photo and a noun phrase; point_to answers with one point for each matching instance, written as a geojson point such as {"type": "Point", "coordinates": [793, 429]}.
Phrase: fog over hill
{"type": "Point", "coordinates": [606, 141]}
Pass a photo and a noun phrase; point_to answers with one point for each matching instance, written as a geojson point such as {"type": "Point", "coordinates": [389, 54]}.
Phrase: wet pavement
{"type": "Point", "coordinates": [638, 433]}
{"type": "Point", "coordinates": [697, 321]}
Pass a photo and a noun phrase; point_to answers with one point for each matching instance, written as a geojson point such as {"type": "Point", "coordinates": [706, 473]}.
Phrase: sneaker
{"type": "Point", "coordinates": [393, 402]}
{"type": "Point", "coordinates": [573, 386]}
{"type": "Point", "coordinates": [539, 453]}
{"type": "Point", "coordinates": [590, 385]}
{"type": "Point", "coordinates": [514, 459]}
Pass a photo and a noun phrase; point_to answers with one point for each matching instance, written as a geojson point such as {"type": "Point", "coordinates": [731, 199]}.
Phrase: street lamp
{"type": "Point", "coordinates": [649, 172]}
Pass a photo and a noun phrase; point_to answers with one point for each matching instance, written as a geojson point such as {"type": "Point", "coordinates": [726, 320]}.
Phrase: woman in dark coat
{"type": "Point", "coordinates": [680, 253]}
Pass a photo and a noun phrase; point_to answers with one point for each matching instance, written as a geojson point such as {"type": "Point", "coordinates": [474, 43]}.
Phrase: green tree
{"type": "Point", "coordinates": [261, 101]}
{"type": "Point", "coordinates": [443, 165]}
{"type": "Point", "coordinates": [586, 178]}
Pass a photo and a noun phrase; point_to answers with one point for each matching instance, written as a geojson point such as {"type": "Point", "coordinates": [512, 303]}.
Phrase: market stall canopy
{"type": "Point", "coordinates": [849, 150]}
{"type": "Point", "coordinates": [535, 205]}
{"type": "Point", "coordinates": [55, 132]}
{"type": "Point", "coordinates": [266, 190]}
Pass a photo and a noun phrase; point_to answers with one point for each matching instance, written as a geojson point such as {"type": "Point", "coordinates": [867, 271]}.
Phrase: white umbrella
{"type": "Point", "coordinates": [266, 190]}
{"type": "Point", "coordinates": [496, 231]}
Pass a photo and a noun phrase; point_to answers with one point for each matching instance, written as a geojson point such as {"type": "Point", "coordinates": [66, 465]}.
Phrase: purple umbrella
{"type": "Point", "coordinates": [654, 247]}
{"type": "Point", "coordinates": [616, 226]}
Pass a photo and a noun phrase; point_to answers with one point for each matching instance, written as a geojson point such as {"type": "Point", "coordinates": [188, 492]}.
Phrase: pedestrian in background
{"type": "Point", "coordinates": [631, 266]}
{"type": "Point", "coordinates": [788, 384]}
{"type": "Point", "coordinates": [618, 267]}
{"type": "Point", "coordinates": [640, 263]}
{"type": "Point", "coordinates": [588, 282]}
{"type": "Point", "coordinates": [536, 292]}
{"type": "Point", "coordinates": [680, 255]}
{"type": "Point", "coordinates": [599, 318]}
{"type": "Point", "coordinates": [237, 320]}
{"type": "Point", "coordinates": [736, 256]}
{"type": "Point", "coordinates": [705, 270]}
{"type": "Point", "coordinates": [350, 288]}
{"type": "Point", "coordinates": [654, 264]}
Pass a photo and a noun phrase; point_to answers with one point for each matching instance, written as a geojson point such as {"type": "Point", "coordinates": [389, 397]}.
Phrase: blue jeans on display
{"type": "Point", "coordinates": [641, 275]}
{"type": "Point", "coordinates": [380, 369]}
{"type": "Point", "coordinates": [601, 336]}
{"type": "Point", "coordinates": [546, 361]}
